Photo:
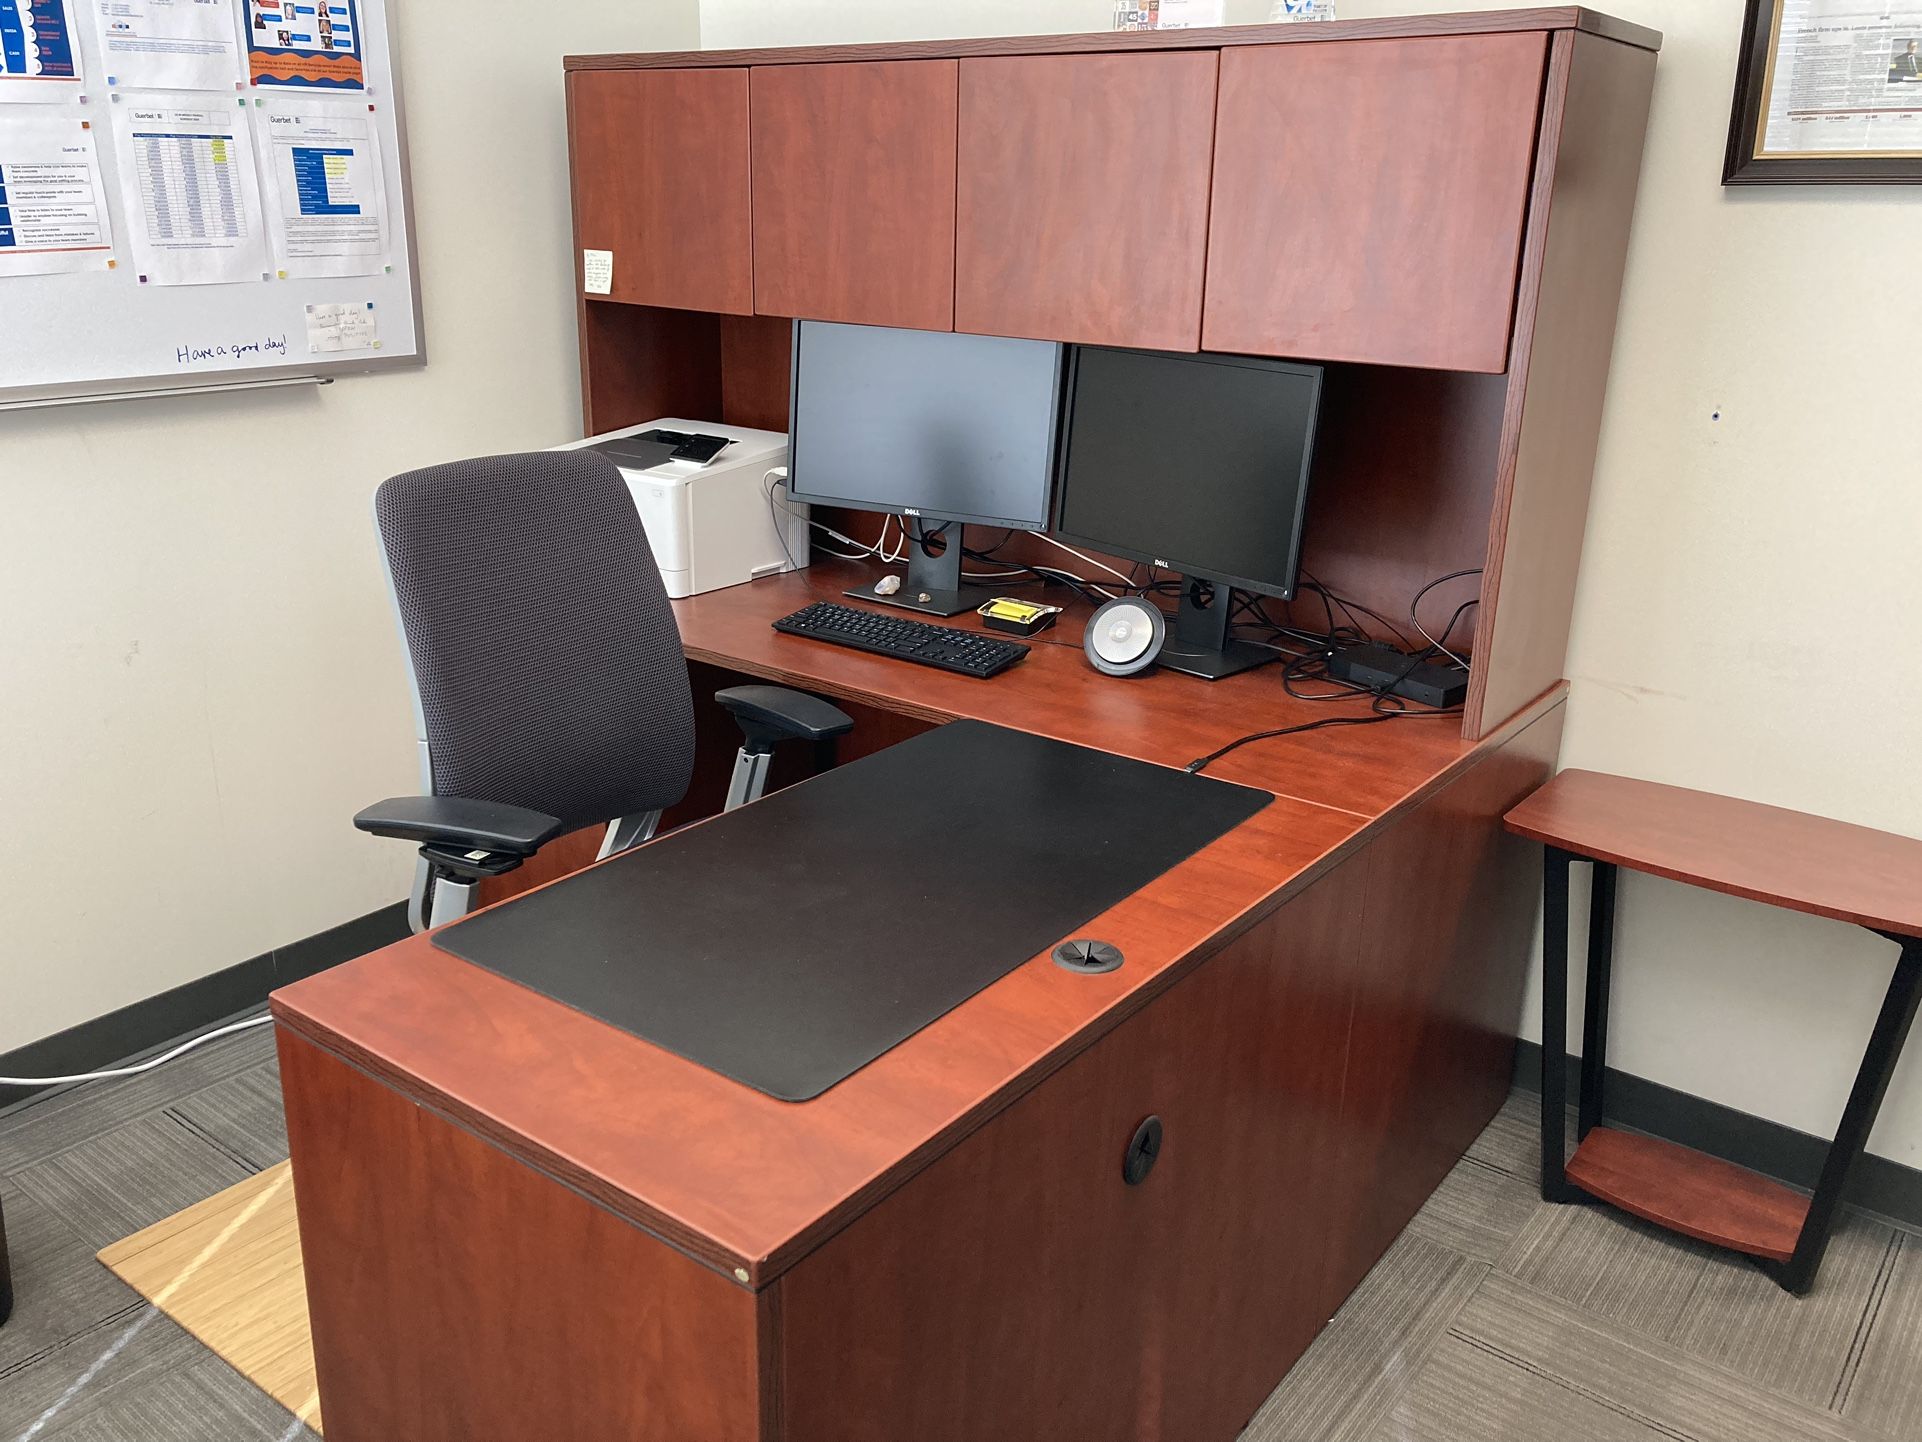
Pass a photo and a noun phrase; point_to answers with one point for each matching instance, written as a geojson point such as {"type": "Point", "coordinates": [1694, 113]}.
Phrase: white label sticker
{"type": "Point", "coordinates": [597, 271]}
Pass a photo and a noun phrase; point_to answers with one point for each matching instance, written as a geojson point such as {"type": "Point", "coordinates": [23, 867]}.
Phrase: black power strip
{"type": "Point", "coordinates": [1382, 669]}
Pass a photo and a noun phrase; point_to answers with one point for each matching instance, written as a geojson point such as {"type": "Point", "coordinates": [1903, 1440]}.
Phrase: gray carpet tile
{"type": "Point", "coordinates": [1653, 1384]}
{"type": "Point", "coordinates": [59, 1289]}
{"type": "Point", "coordinates": [1345, 1383]}
{"type": "Point", "coordinates": [203, 1400]}
{"type": "Point", "coordinates": [1478, 1211]}
{"type": "Point", "coordinates": [1884, 1389]}
{"type": "Point", "coordinates": [1512, 1141]}
{"type": "Point", "coordinates": [114, 1363]}
{"type": "Point", "coordinates": [44, 1127]}
{"type": "Point", "coordinates": [1494, 1317]}
{"type": "Point", "coordinates": [1611, 1264]}
{"type": "Point", "coordinates": [130, 1177]}
{"type": "Point", "coordinates": [242, 1115]}
{"type": "Point", "coordinates": [1801, 1347]}
{"type": "Point", "coordinates": [1466, 1391]}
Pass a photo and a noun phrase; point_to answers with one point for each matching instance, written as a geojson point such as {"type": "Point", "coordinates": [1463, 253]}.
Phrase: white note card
{"type": "Point", "coordinates": [346, 325]}
{"type": "Point", "coordinates": [597, 270]}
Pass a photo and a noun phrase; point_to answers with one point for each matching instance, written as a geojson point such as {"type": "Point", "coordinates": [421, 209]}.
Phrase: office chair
{"type": "Point", "coordinates": [550, 690]}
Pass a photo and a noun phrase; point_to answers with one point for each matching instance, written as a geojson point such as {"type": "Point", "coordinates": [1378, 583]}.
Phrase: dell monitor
{"type": "Point", "coordinates": [938, 426]}
{"type": "Point", "coordinates": [1196, 464]}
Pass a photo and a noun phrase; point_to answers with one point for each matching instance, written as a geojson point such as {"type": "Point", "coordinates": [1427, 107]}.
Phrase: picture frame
{"type": "Point", "coordinates": [1863, 137]}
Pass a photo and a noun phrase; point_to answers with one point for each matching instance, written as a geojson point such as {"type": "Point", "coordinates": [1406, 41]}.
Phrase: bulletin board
{"type": "Point", "coordinates": [198, 192]}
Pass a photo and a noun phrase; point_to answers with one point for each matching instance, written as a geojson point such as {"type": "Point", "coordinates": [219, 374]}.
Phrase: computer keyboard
{"type": "Point", "coordinates": [947, 647]}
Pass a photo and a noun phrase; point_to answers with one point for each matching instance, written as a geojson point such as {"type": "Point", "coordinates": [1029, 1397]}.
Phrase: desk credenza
{"type": "Point", "coordinates": [519, 1222]}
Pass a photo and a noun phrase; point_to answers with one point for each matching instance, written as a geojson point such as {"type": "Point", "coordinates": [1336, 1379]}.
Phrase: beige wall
{"type": "Point", "coordinates": [1727, 562]}
{"type": "Point", "coordinates": [199, 681]}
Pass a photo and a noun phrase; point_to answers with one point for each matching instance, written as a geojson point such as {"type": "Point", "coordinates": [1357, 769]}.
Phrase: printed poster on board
{"type": "Point", "coordinates": [38, 58]}
{"type": "Point", "coordinates": [310, 44]}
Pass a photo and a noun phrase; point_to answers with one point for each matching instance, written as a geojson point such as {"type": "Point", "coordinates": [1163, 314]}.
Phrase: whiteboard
{"type": "Point", "coordinates": [102, 332]}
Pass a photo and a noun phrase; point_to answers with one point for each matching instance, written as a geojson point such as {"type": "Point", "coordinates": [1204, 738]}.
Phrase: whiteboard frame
{"type": "Point", "coordinates": [204, 382]}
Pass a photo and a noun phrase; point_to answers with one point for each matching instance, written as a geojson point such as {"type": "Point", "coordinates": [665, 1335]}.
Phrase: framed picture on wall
{"type": "Point", "coordinates": [1827, 90]}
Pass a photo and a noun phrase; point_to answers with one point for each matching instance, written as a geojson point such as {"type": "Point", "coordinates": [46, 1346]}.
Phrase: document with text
{"type": "Point", "coordinates": [188, 188]}
{"type": "Point", "coordinates": [325, 202]}
{"type": "Point", "coordinates": [1844, 78]}
{"type": "Point", "coordinates": [53, 207]}
{"type": "Point", "coordinates": [169, 44]}
{"type": "Point", "coordinates": [39, 53]}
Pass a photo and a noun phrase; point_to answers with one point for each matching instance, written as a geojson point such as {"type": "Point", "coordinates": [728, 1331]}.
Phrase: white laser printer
{"type": "Point", "coordinates": [714, 523]}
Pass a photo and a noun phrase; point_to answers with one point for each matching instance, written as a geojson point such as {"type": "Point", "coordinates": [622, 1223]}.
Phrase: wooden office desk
{"type": "Point", "coordinates": [522, 1222]}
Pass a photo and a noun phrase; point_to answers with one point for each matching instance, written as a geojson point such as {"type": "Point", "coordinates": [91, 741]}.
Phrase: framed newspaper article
{"type": "Point", "coordinates": [1827, 90]}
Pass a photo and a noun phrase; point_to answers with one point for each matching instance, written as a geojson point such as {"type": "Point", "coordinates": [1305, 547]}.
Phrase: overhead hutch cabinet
{"type": "Point", "coordinates": [1437, 208]}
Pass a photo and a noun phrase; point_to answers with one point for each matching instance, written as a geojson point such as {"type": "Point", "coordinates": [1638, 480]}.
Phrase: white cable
{"type": "Point", "coordinates": [1043, 571]}
{"type": "Point", "coordinates": [1125, 579]}
{"type": "Point", "coordinates": [149, 1065]}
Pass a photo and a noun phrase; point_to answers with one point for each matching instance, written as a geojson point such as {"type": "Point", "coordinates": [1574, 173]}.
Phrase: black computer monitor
{"type": "Point", "coordinates": [1197, 464]}
{"type": "Point", "coordinates": [935, 425]}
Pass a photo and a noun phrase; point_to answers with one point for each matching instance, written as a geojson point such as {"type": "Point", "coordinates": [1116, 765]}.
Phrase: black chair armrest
{"type": "Point", "coordinates": [461, 823]}
{"type": "Point", "coordinates": [776, 713]}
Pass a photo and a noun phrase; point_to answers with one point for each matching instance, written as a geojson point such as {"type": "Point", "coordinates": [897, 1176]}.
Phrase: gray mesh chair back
{"type": "Point", "coordinates": [545, 656]}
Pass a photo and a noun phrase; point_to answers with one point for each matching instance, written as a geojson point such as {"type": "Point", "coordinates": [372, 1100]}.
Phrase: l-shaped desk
{"type": "Point", "coordinates": [519, 1221]}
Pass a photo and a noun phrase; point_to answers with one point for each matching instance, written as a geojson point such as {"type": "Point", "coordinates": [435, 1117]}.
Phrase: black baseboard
{"type": "Point", "coordinates": [1878, 1185]}
{"type": "Point", "coordinates": [148, 1026]}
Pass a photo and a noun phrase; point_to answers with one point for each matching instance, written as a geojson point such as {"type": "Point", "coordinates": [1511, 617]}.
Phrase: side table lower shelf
{"type": "Point", "coordinates": [1690, 1192]}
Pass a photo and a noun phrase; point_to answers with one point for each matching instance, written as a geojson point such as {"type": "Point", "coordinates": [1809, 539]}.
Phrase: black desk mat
{"type": "Point", "coordinates": [789, 943]}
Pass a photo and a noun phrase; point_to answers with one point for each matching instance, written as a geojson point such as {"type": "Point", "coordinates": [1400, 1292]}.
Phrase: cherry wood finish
{"type": "Point", "coordinates": [1241, 1017]}
{"type": "Point", "coordinates": [660, 165]}
{"type": "Point", "coordinates": [1243, 1062]}
{"type": "Point", "coordinates": [1082, 212]}
{"type": "Point", "coordinates": [639, 363]}
{"type": "Point", "coordinates": [1690, 1192]}
{"type": "Point", "coordinates": [515, 1070]}
{"type": "Point", "coordinates": [1161, 717]}
{"type": "Point", "coordinates": [1424, 179]}
{"type": "Point", "coordinates": [1476, 22]}
{"type": "Point", "coordinates": [1444, 953]}
{"type": "Point", "coordinates": [431, 1267]}
{"type": "Point", "coordinates": [756, 355]}
{"type": "Point", "coordinates": [1322, 1000]}
{"type": "Point", "coordinates": [1764, 853]}
{"type": "Point", "coordinates": [1265, 943]}
{"type": "Point", "coordinates": [1595, 113]}
{"type": "Point", "coordinates": [1401, 493]}
{"type": "Point", "coordinates": [854, 192]}
{"type": "Point", "coordinates": [559, 1089]}
{"type": "Point", "coordinates": [1420, 472]}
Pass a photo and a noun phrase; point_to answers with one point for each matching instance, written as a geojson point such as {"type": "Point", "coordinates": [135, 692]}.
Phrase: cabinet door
{"type": "Point", "coordinates": [660, 165]}
{"type": "Point", "coordinates": [1369, 198]}
{"type": "Point", "coordinates": [1083, 197]}
{"type": "Point", "coordinates": [854, 192]}
{"type": "Point", "coordinates": [1041, 1295]}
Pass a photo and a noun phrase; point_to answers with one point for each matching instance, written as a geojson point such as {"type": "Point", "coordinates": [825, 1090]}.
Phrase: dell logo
{"type": "Point", "coordinates": [1163, 564]}
{"type": "Point", "coordinates": [909, 511]}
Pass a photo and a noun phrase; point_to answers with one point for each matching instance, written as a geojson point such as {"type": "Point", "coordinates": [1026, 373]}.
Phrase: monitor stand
{"type": "Point", "coordinates": [1200, 644]}
{"type": "Point", "coordinates": [933, 582]}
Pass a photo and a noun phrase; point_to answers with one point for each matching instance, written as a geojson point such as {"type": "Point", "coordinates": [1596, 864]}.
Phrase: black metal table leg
{"type": "Point", "coordinates": [1865, 1099]}
{"type": "Point", "coordinates": [1601, 959]}
{"type": "Point", "coordinates": [1555, 865]}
